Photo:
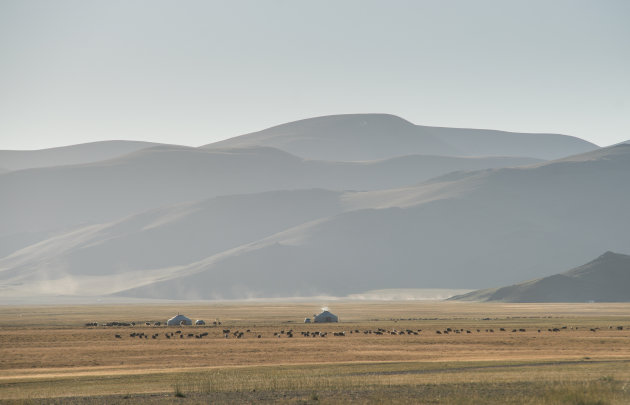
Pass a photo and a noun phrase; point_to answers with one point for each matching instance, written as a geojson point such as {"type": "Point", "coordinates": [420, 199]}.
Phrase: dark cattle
{"type": "Point", "coordinates": [118, 337]}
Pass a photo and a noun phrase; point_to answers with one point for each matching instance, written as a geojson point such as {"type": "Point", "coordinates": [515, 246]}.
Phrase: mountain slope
{"type": "Point", "coordinates": [463, 230]}
{"type": "Point", "coordinates": [38, 202]}
{"type": "Point", "coordinates": [160, 238]}
{"type": "Point", "coordinates": [69, 155]}
{"type": "Point", "coordinates": [605, 279]}
{"type": "Point", "coordinates": [353, 137]}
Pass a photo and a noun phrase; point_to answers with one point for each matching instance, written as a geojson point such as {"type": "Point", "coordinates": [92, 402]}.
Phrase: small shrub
{"type": "Point", "coordinates": [178, 392]}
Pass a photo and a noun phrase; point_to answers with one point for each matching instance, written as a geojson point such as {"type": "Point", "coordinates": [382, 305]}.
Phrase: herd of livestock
{"type": "Point", "coordinates": [238, 334]}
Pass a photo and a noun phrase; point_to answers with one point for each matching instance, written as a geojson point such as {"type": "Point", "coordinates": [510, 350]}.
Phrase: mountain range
{"type": "Point", "coordinates": [38, 203]}
{"type": "Point", "coordinates": [327, 206]}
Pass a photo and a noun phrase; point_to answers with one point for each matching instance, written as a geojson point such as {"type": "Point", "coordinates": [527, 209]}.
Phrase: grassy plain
{"type": "Point", "coordinates": [48, 355]}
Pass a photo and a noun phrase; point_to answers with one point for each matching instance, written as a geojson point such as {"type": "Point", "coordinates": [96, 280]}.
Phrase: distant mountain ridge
{"type": "Point", "coordinates": [605, 279]}
{"type": "Point", "coordinates": [69, 155]}
{"type": "Point", "coordinates": [356, 137]}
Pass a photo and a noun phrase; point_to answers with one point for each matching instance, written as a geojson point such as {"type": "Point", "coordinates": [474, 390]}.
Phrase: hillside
{"type": "Point", "coordinates": [605, 279]}
{"type": "Point", "coordinates": [353, 137]}
{"type": "Point", "coordinates": [125, 251]}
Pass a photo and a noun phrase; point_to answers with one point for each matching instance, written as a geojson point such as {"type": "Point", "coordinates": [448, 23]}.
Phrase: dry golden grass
{"type": "Point", "coordinates": [46, 352]}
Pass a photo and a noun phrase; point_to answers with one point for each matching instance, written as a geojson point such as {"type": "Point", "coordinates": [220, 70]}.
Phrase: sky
{"type": "Point", "coordinates": [195, 72]}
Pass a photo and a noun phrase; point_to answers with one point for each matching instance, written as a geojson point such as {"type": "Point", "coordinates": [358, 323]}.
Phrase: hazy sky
{"type": "Point", "coordinates": [193, 72]}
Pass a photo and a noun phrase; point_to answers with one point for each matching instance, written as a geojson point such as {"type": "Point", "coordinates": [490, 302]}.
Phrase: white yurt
{"type": "Point", "coordinates": [200, 322]}
{"type": "Point", "coordinates": [325, 316]}
{"type": "Point", "coordinates": [179, 320]}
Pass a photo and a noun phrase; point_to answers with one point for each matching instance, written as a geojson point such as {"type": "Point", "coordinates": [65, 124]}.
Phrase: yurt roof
{"type": "Point", "coordinates": [180, 318]}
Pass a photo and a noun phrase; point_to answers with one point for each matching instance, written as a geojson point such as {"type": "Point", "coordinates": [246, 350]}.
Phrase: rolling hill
{"type": "Point", "coordinates": [356, 137]}
{"type": "Point", "coordinates": [605, 279]}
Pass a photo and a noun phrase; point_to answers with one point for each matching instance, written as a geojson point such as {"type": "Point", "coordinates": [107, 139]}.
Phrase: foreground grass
{"type": "Point", "coordinates": [596, 392]}
{"type": "Point", "coordinates": [580, 382]}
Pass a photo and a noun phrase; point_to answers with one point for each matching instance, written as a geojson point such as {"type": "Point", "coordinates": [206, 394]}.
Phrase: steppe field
{"type": "Point", "coordinates": [391, 353]}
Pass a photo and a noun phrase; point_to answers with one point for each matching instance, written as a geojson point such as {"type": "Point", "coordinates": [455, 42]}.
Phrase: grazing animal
{"type": "Point", "coordinates": [118, 337]}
